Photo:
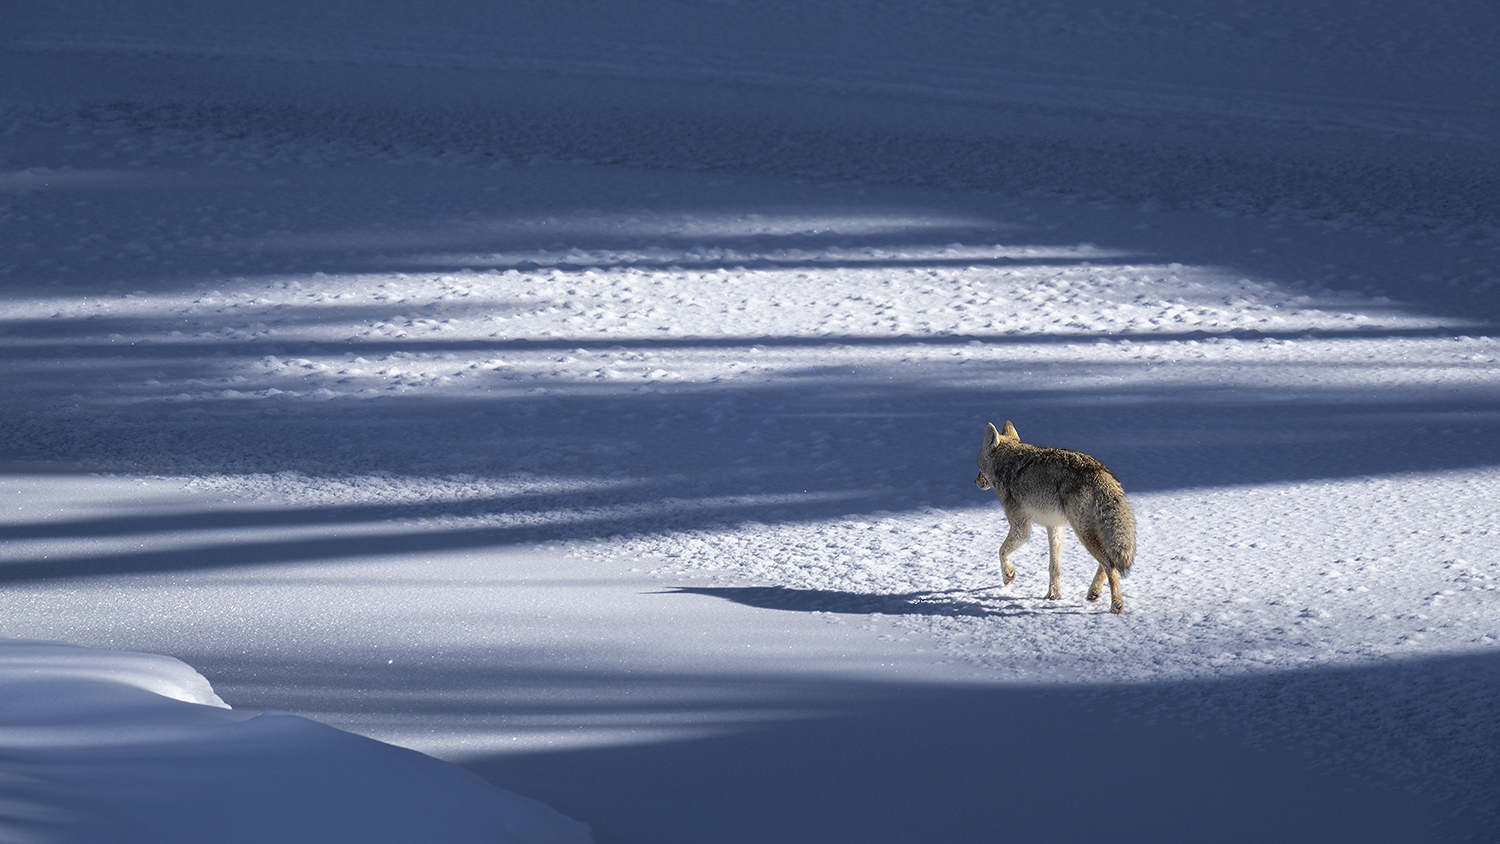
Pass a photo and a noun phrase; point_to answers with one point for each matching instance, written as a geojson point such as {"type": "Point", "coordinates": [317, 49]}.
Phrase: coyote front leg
{"type": "Point", "coordinates": [1054, 561]}
{"type": "Point", "coordinates": [1020, 531]}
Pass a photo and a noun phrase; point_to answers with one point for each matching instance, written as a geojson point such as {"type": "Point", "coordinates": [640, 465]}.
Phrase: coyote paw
{"type": "Point", "coordinates": [1093, 595]}
{"type": "Point", "coordinates": [1053, 596]}
{"type": "Point", "coordinates": [1009, 578]}
{"type": "Point", "coordinates": [1117, 609]}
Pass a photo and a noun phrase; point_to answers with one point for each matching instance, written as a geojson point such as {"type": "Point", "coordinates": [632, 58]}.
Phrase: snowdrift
{"type": "Point", "coordinates": [110, 746]}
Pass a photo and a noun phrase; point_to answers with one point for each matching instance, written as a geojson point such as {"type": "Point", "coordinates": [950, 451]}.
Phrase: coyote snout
{"type": "Point", "coordinates": [1055, 487]}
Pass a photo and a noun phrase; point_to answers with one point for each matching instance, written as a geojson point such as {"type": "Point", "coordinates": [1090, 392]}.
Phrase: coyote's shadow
{"type": "Point", "coordinates": [980, 603]}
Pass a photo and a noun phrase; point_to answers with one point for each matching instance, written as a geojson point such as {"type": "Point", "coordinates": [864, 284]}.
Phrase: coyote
{"type": "Point", "coordinates": [1054, 487]}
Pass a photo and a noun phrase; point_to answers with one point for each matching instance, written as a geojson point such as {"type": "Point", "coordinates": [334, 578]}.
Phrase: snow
{"type": "Point", "coordinates": [117, 746]}
{"type": "Point", "coordinates": [587, 395]}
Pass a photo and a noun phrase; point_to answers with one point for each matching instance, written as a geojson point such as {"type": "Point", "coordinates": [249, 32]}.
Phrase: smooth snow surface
{"type": "Point", "coordinates": [589, 394]}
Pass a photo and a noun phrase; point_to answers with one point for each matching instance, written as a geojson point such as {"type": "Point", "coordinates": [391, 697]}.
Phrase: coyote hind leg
{"type": "Point", "coordinates": [1097, 587]}
{"type": "Point", "coordinates": [1095, 546]}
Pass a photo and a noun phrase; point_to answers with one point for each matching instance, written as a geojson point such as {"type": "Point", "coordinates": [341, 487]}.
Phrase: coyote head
{"type": "Point", "coordinates": [992, 438]}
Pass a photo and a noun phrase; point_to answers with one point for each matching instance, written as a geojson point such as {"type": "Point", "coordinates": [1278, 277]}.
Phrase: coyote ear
{"type": "Point", "coordinates": [1010, 432]}
{"type": "Point", "coordinates": [991, 436]}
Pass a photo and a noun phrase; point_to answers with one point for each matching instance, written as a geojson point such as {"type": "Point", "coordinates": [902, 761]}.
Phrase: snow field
{"type": "Point", "coordinates": [493, 337]}
{"type": "Point", "coordinates": [780, 407]}
{"type": "Point", "coordinates": [751, 322]}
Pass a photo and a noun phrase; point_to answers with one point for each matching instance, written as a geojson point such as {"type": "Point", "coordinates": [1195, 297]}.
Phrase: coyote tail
{"type": "Point", "coordinates": [1108, 526]}
{"type": "Point", "coordinates": [1119, 532]}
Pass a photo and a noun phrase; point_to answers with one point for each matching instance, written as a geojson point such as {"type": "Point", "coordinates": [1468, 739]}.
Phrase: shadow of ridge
{"type": "Point", "coordinates": [1335, 750]}
{"type": "Point", "coordinates": [951, 602]}
{"type": "Point", "coordinates": [249, 518]}
{"type": "Point", "coordinates": [897, 444]}
{"type": "Point", "coordinates": [333, 547]}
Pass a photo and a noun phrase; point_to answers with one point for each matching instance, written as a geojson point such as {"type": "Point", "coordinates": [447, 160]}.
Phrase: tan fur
{"type": "Point", "coordinates": [1054, 487]}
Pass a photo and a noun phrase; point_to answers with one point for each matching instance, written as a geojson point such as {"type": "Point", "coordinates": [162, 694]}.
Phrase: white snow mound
{"type": "Point", "coordinates": [122, 747]}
